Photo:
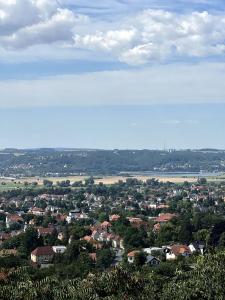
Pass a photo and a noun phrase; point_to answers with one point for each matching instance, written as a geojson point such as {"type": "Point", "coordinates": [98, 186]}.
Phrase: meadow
{"type": "Point", "coordinates": [10, 184]}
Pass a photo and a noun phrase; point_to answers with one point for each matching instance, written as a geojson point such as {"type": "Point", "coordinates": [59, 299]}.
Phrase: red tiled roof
{"type": "Point", "coordinates": [180, 249]}
{"type": "Point", "coordinates": [15, 218]}
{"type": "Point", "coordinates": [135, 220]}
{"type": "Point", "coordinates": [87, 238]}
{"type": "Point", "coordinates": [46, 250]}
{"type": "Point", "coordinates": [165, 217]}
{"type": "Point", "coordinates": [106, 224]}
{"type": "Point", "coordinates": [114, 217]}
{"type": "Point", "coordinates": [37, 209]}
{"type": "Point", "coordinates": [133, 253]}
{"type": "Point", "coordinates": [60, 217]}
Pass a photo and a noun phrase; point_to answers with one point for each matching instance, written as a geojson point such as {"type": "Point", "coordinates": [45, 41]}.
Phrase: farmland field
{"type": "Point", "coordinates": [9, 184]}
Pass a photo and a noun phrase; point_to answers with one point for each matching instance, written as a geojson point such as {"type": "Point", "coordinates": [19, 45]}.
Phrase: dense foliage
{"type": "Point", "coordinates": [205, 281]}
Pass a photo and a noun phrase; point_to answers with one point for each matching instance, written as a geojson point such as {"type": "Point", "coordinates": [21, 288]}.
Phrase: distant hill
{"type": "Point", "coordinates": [37, 162]}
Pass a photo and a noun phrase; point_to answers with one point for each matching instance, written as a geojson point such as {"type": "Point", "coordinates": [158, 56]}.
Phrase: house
{"type": "Point", "coordinates": [176, 250]}
{"type": "Point", "coordinates": [106, 225]}
{"type": "Point", "coordinates": [61, 236]}
{"type": "Point", "coordinates": [42, 231]}
{"type": "Point", "coordinates": [162, 206]}
{"type": "Point", "coordinates": [76, 215]}
{"type": "Point", "coordinates": [117, 242]}
{"type": "Point", "coordinates": [151, 260]}
{"type": "Point", "coordinates": [114, 218]}
{"type": "Point", "coordinates": [90, 240]}
{"type": "Point", "coordinates": [13, 219]}
{"type": "Point", "coordinates": [49, 197]}
{"type": "Point", "coordinates": [59, 249]}
{"type": "Point", "coordinates": [60, 217]}
{"type": "Point", "coordinates": [138, 223]}
{"type": "Point", "coordinates": [95, 235]}
{"type": "Point", "coordinates": [82, 216]}
{"type": "Point", "coordinates": [32, 222]}
{"type": "Point", "coordinates": [153, 249]}
{"type": "Point", "coordinates": [37, 211]}
{"type": "Point", "coordinates": [16, 232]}
{"type": "Point", "coordinates": [118, 256]}
{"type": "Point", "coordinates": [197, 246]}
{"type": "Point", "coordinates": [131, 256]}
{"type": "Point", "coordinates": [42, 255]}
{"type": "Point", "coordinates": [163, 218]}
{"type": "Point", "coordinates": [103, 236]}
{"type": "Point", "coordinates": [52, 209]}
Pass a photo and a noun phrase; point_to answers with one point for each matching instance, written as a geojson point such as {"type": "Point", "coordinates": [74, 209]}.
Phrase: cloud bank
{"type": "Point", "coordinates": [186, 84]}
{"type": "Point", "coordinates": [147, 36]}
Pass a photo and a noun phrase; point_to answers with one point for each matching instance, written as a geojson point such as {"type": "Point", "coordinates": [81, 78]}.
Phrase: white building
{"type": "Point", "coordinates": [59, 249]}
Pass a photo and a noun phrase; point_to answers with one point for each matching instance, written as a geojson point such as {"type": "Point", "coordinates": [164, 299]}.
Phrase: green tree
{"type": "Point", "coordinates": [104, 258]}
{"type": "Point", "coordinates": [140, 258]}
{"type": "Point", "coordinates": [47, 183]}
{"type": "Point", "coordinates": [167, 234]}
{"type": "Point", "coordinates": [205, 281]}
{"type": "Point", "coordinates": [202, 235]}
{"type": "Point", "coordinates": [222, 241]}
{"type": "Point", "coordinates": [135, 238]}
{"type": "Point", "coordinates": [89, 181]}
{"type": "Point", "coordinates": [30, 240]}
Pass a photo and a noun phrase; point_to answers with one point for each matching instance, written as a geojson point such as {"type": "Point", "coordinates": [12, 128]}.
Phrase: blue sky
{"type": "Point", "coordinates": [109, 127]}
{"type": "Point", "coordinates": [112, 74]}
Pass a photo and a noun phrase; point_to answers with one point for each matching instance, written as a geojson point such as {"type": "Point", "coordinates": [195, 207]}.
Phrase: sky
{"type": "Point", "coordinates": [140, 74]}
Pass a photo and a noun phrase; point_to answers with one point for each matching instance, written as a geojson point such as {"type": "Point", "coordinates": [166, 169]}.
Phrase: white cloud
{"type": "Point", "coordinates": [109, 41]}
{"type": "Point", "coordinates": [172, 122]}
{"type": "Point", "coordinates": [58, 28]}
{"type": "Point", "coordinates": [202, 83]}
{"type": "Point", "coordinates": [25, 23]}
{"type": "Point", "coordinates": [158, 35]}
{"type": "Point", "coordinates": [180, 122]}
{"type": "Point", "coordinates": [17, 14]}
{"type": "Point", "coordinates": [152, 35]}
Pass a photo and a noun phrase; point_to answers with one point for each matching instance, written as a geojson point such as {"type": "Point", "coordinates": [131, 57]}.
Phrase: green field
{"type": "Point", "coordinates": [6, 184]}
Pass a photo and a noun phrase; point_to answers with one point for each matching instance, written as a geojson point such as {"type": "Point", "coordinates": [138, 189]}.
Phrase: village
{"type": "Point", "coordinates": [133, 222]}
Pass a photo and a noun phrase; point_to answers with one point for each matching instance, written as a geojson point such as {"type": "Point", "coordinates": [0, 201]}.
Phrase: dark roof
{"type": "Point", "coordinates": [46, 250]}
{"type": "Point", "coordinates": [198, 244]}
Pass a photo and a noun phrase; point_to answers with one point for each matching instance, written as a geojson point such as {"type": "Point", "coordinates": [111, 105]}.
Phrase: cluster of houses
{"type": "Point", "coordinates": [156, 200]}
{"type": "Point", "coordinates": [101, 233]}
{"type": "Point", "coordinates": [171, 252]}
